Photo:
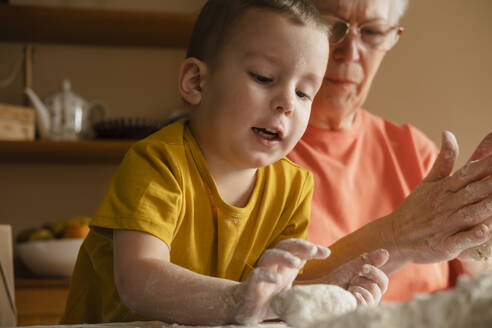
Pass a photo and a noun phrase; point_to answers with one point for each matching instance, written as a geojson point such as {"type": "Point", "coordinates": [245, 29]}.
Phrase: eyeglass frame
{"type": "Point", "coordinates": [331, 18]}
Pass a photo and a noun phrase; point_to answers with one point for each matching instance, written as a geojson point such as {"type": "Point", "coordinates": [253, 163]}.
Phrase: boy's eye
{"type": "Point", "coordinates": [301, 94]}
{"type": "Point", "coordinates": [260, 78]}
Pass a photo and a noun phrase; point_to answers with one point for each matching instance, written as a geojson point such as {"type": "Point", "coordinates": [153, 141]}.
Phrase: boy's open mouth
{"type": "Point", "coordinates": [267, 133]}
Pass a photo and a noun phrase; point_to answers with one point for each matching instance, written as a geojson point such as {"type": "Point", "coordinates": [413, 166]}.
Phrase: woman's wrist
{"type": "Point", "coordinates": [386, 228]}
{"type": "Point", "coordinates": [377, 234]}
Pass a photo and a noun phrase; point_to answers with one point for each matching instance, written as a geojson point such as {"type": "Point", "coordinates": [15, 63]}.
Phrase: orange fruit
{"type": "Point", "coordinates": [76, 231]}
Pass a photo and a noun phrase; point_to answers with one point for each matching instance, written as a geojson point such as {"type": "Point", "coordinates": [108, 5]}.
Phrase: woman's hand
{"type": "Point", "coordinates": [276, 270]}
{"type": "Point", "coordinates": [446, 214]}
{"type": "Point", "coordinates": [483, 251]}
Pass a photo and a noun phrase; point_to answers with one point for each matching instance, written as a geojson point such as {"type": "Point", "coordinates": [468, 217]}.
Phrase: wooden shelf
{"type": "Point", "coordinates": [41, 283]}
{"type": "Point", "coordinates": [63, 151]}
{"type": "Point", "coordinates": [94, 26]}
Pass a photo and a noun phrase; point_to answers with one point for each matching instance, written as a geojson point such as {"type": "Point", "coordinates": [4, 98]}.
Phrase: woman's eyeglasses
{"type": "Point", "coordinates": [375, 35]}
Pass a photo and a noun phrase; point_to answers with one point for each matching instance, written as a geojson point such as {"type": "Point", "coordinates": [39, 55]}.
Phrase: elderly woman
{"type": "Point", "coordinates": [382, 185]}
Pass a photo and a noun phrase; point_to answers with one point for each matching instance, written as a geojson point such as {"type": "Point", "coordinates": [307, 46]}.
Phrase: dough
{"type": "Point", "coordinates": [482, 252]}
{"type": "Point", "coordinates": [304, 306]}
{"type": "Point", "coordinates": [467, 305]}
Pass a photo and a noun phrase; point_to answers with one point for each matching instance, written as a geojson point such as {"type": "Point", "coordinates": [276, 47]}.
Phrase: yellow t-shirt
{"type": "Point", "coordinates": [163, 187]}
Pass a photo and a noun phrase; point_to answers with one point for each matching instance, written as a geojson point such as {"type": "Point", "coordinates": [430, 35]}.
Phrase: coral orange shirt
{"type": "Point", "coordinates": [361, 174]}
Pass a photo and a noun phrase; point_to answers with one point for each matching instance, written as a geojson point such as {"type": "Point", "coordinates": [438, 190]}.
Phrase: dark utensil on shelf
{"type": "Point", "coordinates": [126, 128]}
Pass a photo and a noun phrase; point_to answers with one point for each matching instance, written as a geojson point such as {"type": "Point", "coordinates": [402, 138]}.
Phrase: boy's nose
{"type": "Point", "coordinates": [284, 103]}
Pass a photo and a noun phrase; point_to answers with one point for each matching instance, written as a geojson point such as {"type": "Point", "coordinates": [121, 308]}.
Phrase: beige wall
{"type": "Point", "coordinates": [438, 77]}
{"type": "Point", "coordinates": [143, 5]}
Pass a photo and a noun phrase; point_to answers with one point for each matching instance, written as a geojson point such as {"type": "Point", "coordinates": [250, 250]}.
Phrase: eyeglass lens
{"type": "Point", "coordinates": [338, 32]}
{"type": "Point", "coordinates": [375, 37]}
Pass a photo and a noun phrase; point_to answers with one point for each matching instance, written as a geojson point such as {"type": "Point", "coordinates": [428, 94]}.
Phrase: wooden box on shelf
{"type": "Point", "coordinates": [16, 123]}
{"type": "Point", "coordinates": [7, 296]}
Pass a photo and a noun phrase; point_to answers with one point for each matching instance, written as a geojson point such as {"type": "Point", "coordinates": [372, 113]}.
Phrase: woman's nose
{"type": "Point", "coordinates": [347, 50]}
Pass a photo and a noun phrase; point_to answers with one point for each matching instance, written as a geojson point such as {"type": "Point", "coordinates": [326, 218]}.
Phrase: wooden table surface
{"type": "Point", "coordinates": [159, 324]}
{"type": "Point", "coordinates": [40, 301]}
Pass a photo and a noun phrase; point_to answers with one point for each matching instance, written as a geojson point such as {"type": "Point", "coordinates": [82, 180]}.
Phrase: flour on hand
{"type": "Point", "coordinates": [304, 306]}
{"type": "Point", "coordinates": [482, 252]}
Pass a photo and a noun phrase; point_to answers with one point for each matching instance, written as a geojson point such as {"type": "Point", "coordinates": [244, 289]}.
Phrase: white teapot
{"type": "Point", "coordinates": [65, 115]}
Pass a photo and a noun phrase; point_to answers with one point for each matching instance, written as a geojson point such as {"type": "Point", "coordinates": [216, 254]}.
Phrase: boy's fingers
{"type": "Point", "coordinates": [377, 258]}
{"type": "Point", "coordinates": [360, 299]}
{"type": "Point", "coordinates": [276, 256]}
{"type": "Point", "coordinates": [368, 297]}
{"type": "Point", "coordinates": [368, 285]}
{"type": "Point", "coordinates": [345, 273]}
{"type": "Point", "coordinates": [263, 275]}
{"type": "Point", "coordinates": [321, 252]}
{"type": "Point", "coordinates": [374, 276]}
{"type": "Point", "coordinates": [372, 280]}
{"type": "Point", "coordinates": [303, 249]}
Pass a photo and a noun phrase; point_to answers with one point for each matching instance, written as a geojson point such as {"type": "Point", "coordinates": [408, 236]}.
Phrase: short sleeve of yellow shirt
{"type": "Point", "coordinates": [163, 187]}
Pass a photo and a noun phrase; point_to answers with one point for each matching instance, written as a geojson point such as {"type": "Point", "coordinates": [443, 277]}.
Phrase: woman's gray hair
{"type": "Point", "coordinates": [399, 10]}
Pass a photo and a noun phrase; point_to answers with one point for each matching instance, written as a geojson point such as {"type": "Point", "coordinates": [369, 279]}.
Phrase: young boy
{"type": "Point", "coordinates": [204, 204]}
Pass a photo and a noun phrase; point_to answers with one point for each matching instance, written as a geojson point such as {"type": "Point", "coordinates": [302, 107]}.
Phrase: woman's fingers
{"type": "Point", "coordinates": [444, 215]}
{"type": "Point", "coordinates": [472, 215]}
{"type": "Point", "coordinates": [443, 166]}
{"type": "Point", "coordinates": [483, 149]}
{"type": "Point", "coordinates": [467, 239]}
{"type": "Point", "coordinates": [438, 220]}
{"type": "Point", "coordinates": [471, 172]}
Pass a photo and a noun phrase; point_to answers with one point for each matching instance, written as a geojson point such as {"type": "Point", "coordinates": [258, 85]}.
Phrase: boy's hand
{"type": "Point", "coordinates": [276, 270]}
{"type": "Point", "coordinates": [362, 277]}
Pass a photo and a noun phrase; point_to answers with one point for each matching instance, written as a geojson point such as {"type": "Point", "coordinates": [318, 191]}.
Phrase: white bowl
{"type": "Point", "coordinates": [53, 257]}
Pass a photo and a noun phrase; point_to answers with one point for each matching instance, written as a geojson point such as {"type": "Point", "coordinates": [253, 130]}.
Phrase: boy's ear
{"type": "Point", "coordinates": [191, 80]}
